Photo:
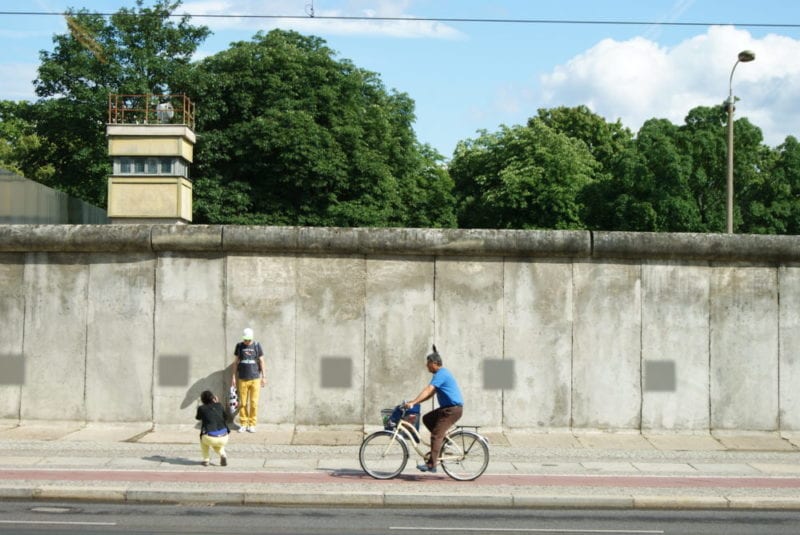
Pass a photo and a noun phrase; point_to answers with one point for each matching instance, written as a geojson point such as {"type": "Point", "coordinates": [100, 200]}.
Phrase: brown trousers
{"type": "Point", "coordinates": [438, 422]}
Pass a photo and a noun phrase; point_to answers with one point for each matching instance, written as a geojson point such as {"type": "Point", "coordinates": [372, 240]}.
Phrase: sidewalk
{"type": "Point", "coordinates": [280, 466]}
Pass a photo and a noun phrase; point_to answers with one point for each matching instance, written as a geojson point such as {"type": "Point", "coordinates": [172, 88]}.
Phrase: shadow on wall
{"type": "Point", "coordinates": [214, 382]}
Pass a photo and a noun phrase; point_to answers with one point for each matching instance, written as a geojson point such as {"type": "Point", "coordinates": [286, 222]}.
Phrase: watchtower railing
{"type": "Point", "coordinates": [151, 109]}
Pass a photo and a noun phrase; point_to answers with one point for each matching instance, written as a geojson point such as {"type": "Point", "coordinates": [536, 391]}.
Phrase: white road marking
{"type": "Point", "coordinates": [57, 523]}
{"type": "Point", "coordinates": [528, 530]}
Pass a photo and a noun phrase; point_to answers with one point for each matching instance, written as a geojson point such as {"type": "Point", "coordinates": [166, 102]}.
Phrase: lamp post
{"type": "Point", "coordinates": [744, 57]}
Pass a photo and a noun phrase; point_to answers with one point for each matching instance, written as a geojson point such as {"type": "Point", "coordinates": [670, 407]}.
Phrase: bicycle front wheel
{"type": "Point", "coordinates": [382, 455]}
{"type": "Point", "coordinates": [464, 455]}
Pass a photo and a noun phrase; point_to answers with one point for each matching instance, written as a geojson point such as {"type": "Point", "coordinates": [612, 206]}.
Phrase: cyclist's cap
{"type": "Point", "coordinates": [247, 334]}
{"type": "Point", "coordinates": [435, 358]}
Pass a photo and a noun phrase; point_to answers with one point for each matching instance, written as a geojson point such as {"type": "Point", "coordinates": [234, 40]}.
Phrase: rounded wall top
{"type": "Point", "coordinates": [398, 241]}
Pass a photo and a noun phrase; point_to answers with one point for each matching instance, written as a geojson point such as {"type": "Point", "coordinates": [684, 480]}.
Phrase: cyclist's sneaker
{"type": "Point", "coordinates": [423, 467]}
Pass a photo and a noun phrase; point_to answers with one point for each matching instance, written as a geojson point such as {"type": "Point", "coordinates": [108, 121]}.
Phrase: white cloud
{"type": "Point", "coordinates": [299, 19]}
{"type": "Point", "coordinates": [636, 80]}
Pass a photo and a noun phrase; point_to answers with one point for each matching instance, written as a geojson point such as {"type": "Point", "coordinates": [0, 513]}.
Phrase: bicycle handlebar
{"type": "Point", "coordinates": [403, 409]}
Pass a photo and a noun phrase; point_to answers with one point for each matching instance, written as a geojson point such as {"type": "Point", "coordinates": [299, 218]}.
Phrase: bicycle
{"type": "Point", "coordinates": [383, 455]}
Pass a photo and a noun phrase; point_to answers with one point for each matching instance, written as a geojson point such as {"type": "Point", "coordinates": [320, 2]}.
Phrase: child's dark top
{"type": "Point", "coordinates": [212, 417]}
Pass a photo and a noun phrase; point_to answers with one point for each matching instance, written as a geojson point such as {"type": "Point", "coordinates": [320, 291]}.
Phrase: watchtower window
{"type": "Point", "coordinates": [151, 166]}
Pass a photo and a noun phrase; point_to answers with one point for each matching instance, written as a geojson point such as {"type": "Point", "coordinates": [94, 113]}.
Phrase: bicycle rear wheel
{"type": "Point", "coordinates": [464, 455]}
{"type": "Point", "coordinates": [382, 455]}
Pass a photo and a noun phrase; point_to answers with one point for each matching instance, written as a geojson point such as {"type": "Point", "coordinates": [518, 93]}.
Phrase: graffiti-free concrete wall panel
{"type": "Point", "coordinates": [56, 287]}
{"type": "Point", "coordinates": [330, 326]}
{"type": "Point", "coordinates": [675, 338]}
{"type": "Point", "coordinates": [190, 352]}
{"type": "Point", "coordinates": [12, 315]}
{"type": "Point", "coordinates": [261, 294]}
{"type": "Point", "coordinates": [399, 331]}
{"type": "Point", "coordinates": [744, 348]}
{"type": "Point", "coordinates": [469, 330]}
{"type": "Point", "coordinates": [346, 316]}
{"type": "Point", "coordinates": [119, 348]}
{"type": "Point", "coordinates": [789, 277]}
{"type": "Point", "coordinates": [606, 389]}
{"type": "Point", "coordinates": [538, 338]}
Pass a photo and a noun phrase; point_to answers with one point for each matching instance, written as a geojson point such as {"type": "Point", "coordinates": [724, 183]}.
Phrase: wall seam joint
{"type": "Point", "coordinates": [572, 352]}
{"type": "Point", "coordinates": [24, 323]}
{"type": "Point", "coordinates": [365, 350]}
{"type": "Point", "coordinates": [641, 346]}
{"type": "Point", "coordinates": [780, 389]}
{"type": "Point", "coordinates": [153, 359]}
{"type": "Point", "coordinates": [710, 348]}
{"type": "Point", "coordinates": [86, 343]}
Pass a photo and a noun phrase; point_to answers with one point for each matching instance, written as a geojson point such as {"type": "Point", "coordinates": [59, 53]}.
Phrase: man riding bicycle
{"type": "Point", "coordinates": [451, 405]}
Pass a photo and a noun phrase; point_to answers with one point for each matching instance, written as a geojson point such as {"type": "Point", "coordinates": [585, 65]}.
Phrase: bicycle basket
{"type": "Point", "coordinates": [386, 418]}
{"type": "Point", "coordinates": [390, 417]}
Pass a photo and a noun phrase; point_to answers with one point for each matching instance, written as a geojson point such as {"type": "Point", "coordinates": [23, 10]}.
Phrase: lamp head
{"type": "Point", "coordinates": [746, 55]}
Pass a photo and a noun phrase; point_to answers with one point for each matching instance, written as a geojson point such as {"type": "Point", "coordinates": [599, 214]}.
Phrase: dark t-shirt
{"type": "Point", "coordinates": [212, 418]}
{"type": "Point", "coordinates": [247, 369]}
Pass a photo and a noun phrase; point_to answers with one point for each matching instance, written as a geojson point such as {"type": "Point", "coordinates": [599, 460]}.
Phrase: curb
{"type": "Point", "coordinates": [393, 499]}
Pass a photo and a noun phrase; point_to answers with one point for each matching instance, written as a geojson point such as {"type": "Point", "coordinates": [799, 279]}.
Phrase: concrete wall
{"type": "Point", "coordinates": [543, 329]}
{"type": "Point", "coordinates": [24, 201]}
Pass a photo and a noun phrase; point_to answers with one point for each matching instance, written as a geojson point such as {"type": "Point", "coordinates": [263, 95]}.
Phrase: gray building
{"type": "Point", "coordinates": [24, 201]}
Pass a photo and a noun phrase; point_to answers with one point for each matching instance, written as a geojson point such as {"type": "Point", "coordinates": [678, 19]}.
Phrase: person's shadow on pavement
{"type": "Point", "coordinates": [172, 460]}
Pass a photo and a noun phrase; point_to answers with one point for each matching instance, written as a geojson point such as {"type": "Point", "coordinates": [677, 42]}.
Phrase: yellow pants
{"type": "Point", "coordinates": [248, 400]}
{"type": "Point", "coordinates": [217, 443]}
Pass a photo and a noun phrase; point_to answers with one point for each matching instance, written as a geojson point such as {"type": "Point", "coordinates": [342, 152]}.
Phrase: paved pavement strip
{"type": "Point", "coordinates": [217, 475]}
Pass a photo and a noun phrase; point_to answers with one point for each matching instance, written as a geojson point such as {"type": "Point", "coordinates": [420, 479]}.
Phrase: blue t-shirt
{"type": "Point", "coordinates": [447, 391]}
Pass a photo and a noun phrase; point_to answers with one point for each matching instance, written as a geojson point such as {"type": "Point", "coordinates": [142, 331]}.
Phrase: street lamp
{"type": "Point", "coordinates": [744, 57]}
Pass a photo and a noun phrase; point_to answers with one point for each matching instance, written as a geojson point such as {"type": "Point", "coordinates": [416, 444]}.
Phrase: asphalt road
{"type": "Point", "coordinates": [121, 519]}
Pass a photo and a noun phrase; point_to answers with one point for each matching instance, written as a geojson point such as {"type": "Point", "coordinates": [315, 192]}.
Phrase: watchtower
{"type": "Point", "coordinates": [151, 143]}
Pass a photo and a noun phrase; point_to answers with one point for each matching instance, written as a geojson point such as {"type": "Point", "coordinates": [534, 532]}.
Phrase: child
{"type": "Point", "coordinates": [213, 429]}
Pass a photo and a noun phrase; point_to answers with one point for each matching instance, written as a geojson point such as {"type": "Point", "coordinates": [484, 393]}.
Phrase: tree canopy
{"type": "Point", "coordinates": [293, 136]}
{"type": "Point", "coordinates": [135, 51]}
{"type": "Point", "coordinates": [290, 134]}
{"type": "Point", "coordinates": [522, 177]}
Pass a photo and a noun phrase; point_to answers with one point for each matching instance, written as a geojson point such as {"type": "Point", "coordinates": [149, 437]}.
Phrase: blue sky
{"type": "Point", "coordinates": [470, 76]}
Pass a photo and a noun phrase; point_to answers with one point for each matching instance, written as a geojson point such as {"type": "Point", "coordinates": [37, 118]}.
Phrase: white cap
{"type": "Point", "coordinates": [247, 334]}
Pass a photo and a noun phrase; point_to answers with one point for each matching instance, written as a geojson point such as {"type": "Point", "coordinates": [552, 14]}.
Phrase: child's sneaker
{"type": "Point", "coordinates": [251, 429]}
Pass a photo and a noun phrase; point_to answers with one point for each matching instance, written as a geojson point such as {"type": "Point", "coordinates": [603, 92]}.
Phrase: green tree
{"type": "Point", "coordinates": [135, 51]}
{"type": "Point", "coordinates": [292, 136]}
{"type": "Point", "coordinates": [674, 179]}
{"type": "Point", "coordinates": [612, 145]}
{"type": "Point", "coordinates": [660, 174]}
{"type": "Point", "coordinates": [771, 202]}
{"type": "Point", "coordinates": [607, 142]}
{"type": "Point", "coordinates": [19, 143]}
{"type": "Point", "coordinates": [522, 177]}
